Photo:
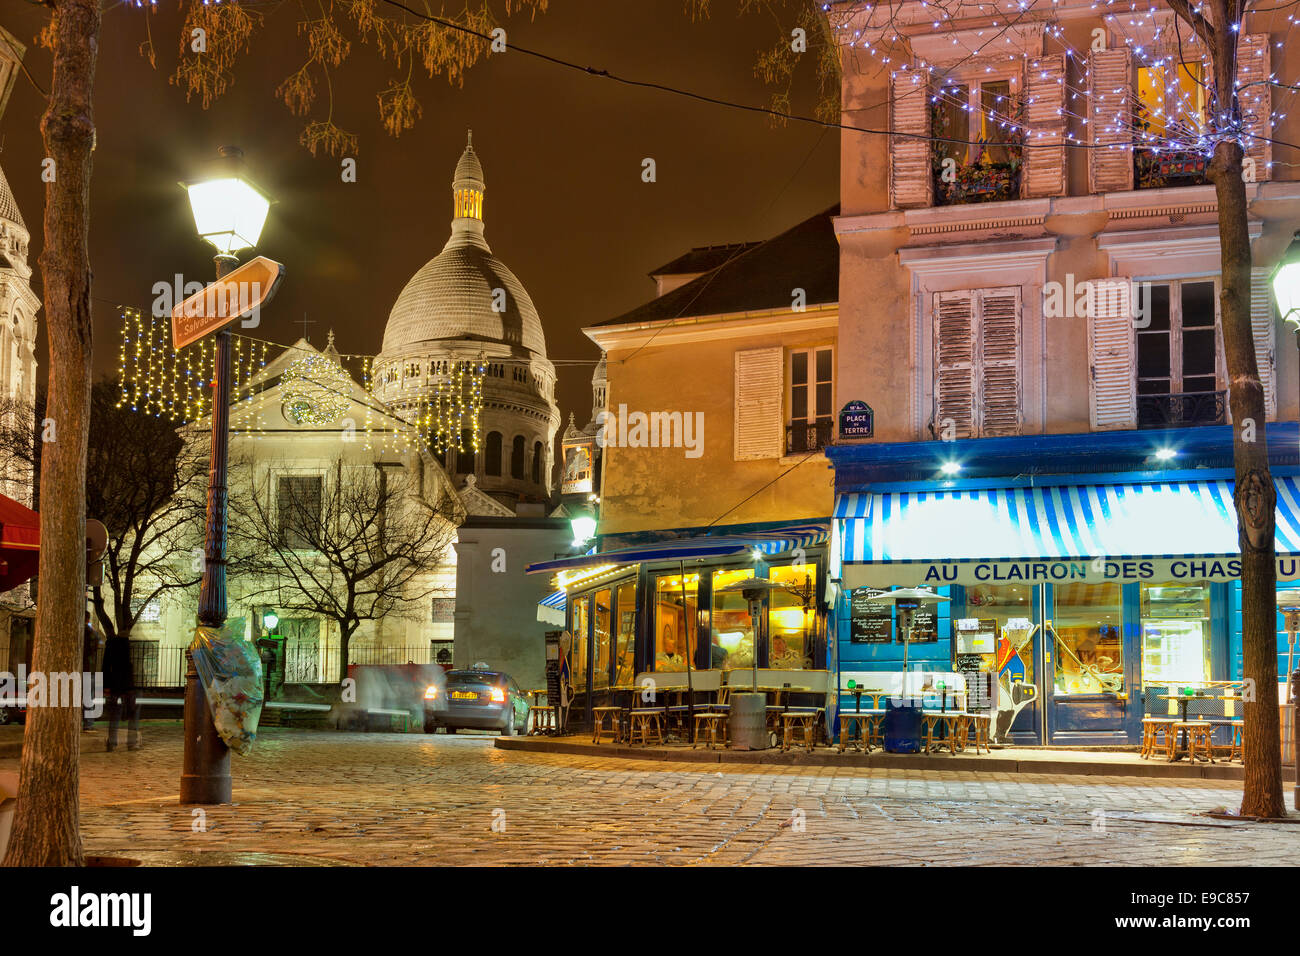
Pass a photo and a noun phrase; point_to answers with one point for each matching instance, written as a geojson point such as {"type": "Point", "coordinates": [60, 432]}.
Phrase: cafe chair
{"type": "Point", "coordinates": [1152, 740]}
{"type": "Point", "coordinates": [598, 715]}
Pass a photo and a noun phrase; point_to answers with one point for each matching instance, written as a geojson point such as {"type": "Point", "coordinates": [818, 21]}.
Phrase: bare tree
{"type": "Point", "coordinates": [354, 545]}
{"type": "Point", "coordinates": [137, 478]}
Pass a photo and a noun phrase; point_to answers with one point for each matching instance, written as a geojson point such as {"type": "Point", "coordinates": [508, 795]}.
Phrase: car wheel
{"type": "Point", "coordinates": [450, 730]}
{"type": "Point", "coordinates": [509, 729]}
{"type": "Point", "coordinates": [5, 716]}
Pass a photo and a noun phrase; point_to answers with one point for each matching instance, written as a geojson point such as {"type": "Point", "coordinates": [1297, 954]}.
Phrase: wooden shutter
{"type": "Point", "coordinates": [999, 379]}
{"type": "Point", "coordinates": [1263, 327]}
{"type": "Point", "coordinates": [910, 182]}
{"type": "Point", "coordinates": [1255, 98]}
{"type": "Point", "coordinates": [1111, 100]}
{"type": "Point", "coordinates": [954, 364]}
{"type": "Point", "coordinates": [1043, 172]}
{"type": "Point", "coordinates": [759, 431]}
{"type": "Point", "coordinates": [1112, 390]}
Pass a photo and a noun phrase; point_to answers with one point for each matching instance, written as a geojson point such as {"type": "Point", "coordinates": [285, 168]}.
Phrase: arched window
{"type": "Point", "coordinates": [465, 455]}
{"type": "Point", "coordinates": [492, 459]}
{"type": "Point", "coordinates": [537, 463]}
{"type": "Point", "coordinates": [517, 458]}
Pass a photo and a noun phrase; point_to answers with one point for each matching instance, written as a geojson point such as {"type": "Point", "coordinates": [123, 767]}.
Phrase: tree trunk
{"type": "Point", "coordinates": [46, 823]}
{"type": "Point", "coordinates": [1255, 497]}
{"type": "Point", "coordinates": [346, 630]}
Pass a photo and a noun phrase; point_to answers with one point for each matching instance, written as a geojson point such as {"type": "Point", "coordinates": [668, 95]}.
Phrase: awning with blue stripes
{"type": "Point", "coordinates": [700, 546]}
{"type": "Point", "coordinates": [1028, 533]}
{"type": "Point", "coordinates": [550, 609]}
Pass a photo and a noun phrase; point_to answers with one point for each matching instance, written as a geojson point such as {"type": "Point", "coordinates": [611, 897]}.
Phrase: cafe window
{"type": "Point", "coordinates": [604, 619]}
{"type": "Point", "coordinates": [792, 617]}
{"type": "Point", "coordinates": [1007, 605]}
{"type": "Point", "coordinates": [1175, 633]}
{"type": "Point", "coordinates": [578, 653]}
{"type": "Point", "coordinates": [733, 629]}
{"type": "Point", "coordinates": [676, 620]}
{"type": "Point", "coordinates": [625, 647]}
{"type": "Point", "coordinates": [1089, 647]}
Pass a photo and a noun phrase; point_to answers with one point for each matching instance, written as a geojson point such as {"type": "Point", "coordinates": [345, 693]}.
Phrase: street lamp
{"type": "Point", "coordinates": [1286, 283]}
{"type": "Point", "coordinates": [229, 211]}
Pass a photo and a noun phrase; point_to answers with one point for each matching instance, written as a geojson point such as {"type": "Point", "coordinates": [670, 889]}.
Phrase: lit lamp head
{"type": "Point", "coordinates": [270, 620]}
{"type": "Point", "coordinates": [229, 209]}
{"type": "Point", "coordinates": [584, 527]}
{"type": "Point", "coordinates": [1286, 283]}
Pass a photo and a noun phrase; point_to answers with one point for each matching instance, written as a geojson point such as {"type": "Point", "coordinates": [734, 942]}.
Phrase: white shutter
{"type": "Point", "coordinates": [1112, 390]}
{"type": "Point", "coordinates": [759, 431]}
{"type": "Point", "coordinates": [1255, 98]}
{"type": "Point", "coordinates": [1263, 328]}
{"type": "Point", "coordinates": [1111, 102]}
{"type": "Point", "coordinates": [910, 183]}
{"type": "Point", "coordinates": [954, 364]}
{"type": "Point", "coordinates": [1043, 172]}
{"type": "Point", "coordinates": [999, 381]}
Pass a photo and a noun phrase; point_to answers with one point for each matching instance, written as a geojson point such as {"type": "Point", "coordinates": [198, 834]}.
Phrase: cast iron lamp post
{"type": "Point", "coordinates": [229, 212]}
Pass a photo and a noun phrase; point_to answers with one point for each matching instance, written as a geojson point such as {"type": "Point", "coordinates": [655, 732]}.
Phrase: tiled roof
{"type": "Point", "coordinates": [8, 207]}
{"type": "Point", "coordinates": [758, 277]}
{"type": "Point", "coordinates": [702, 259]}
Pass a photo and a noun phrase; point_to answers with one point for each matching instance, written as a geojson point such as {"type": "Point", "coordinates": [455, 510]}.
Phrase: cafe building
{"type": "Point", "coordinates": [658, 607]}
{"type": "Point", "coordinates": [1096, 592]}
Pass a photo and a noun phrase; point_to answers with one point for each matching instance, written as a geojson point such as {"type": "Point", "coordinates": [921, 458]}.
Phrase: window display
{"type": "Point", "coordinates": [624, 650]}
{"type": "Point", "coordinates": [1003, 603]}
{"type": "Point", "coordinates": [604, 615]}
{"type": "Point", "coordinates": [578, 653]}
{"type": "Point", "coordinates": [733, 630]}
{"type": "Point", "coordinates": [676, 620]}
{"type": "Point", "coordinates": [791, 619]}
{"type": "Point", "coordinates": [1089, 646]}
{"type": "Point", "coordinates": [1175, 633]}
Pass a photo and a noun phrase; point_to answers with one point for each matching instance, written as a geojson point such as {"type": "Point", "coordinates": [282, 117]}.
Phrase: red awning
{"type": "Point", "coordinates": [20, 543]}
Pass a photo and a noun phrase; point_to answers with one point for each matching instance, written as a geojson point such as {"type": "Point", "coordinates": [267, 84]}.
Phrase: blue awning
{"type": "Point", "coordinates": [701, 546]}
{"type": "Point", "coordinates": [550, 609]}
{"type": "Point", "coordinates": [1089, 523]}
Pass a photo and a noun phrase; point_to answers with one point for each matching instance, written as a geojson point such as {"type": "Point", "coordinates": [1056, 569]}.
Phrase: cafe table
{"type": "Point", "coordinates": [1183, 700]}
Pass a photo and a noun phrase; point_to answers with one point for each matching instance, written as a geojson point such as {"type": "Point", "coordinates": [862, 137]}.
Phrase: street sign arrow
{"type": "Point", "coordinates": [231, 297]}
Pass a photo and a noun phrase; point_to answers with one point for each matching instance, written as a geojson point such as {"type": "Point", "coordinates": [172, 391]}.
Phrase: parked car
{"type": "Point", "coordinates": [476, 699]}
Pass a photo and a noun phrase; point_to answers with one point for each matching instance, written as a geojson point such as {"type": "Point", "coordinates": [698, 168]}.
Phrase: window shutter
{"type": "Point", "coordinates": [999, 327]}
{"type": "Point", "coordinates": [1113, 388]}
{"type": "Point", "coordinates": [1264, 330]}
{"type": "Point", "coordinates": [1110, 117]}
{"type": "Point", "coordinates": [1043, 172]}
{"type": "Point", "coordinates": [759, 431]}
{"type": "Point", "coordinates": [954, 364]}
{"type": "Point", "coordinates": [910, 182]}
{"type": "Point", "coordinates": [1256, 101]}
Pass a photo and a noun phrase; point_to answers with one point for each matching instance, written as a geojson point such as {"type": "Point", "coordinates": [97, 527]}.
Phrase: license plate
{"type": "Point", "coordinates": [464, 695]}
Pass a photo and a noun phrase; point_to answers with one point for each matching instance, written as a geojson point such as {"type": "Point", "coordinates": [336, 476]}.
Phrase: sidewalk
{"type": "Point", "coordinates": [1001, 761]}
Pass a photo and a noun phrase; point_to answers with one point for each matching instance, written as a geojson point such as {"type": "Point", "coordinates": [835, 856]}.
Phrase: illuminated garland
{"type": "Point", "coordinates": [315, 390]}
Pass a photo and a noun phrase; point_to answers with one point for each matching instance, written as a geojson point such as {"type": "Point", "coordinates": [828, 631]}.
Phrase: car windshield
{"type": "Point", "coordinates": [472, 677]}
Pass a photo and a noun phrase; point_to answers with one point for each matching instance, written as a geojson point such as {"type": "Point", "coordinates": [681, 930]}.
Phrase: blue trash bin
{"type": "Point", "coordinates": [902, 729]}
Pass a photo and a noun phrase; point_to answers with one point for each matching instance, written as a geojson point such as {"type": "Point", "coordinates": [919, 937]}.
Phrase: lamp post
{"type": "Point", "coordinates": [229, 212]}
{"type": "Point", "coordinates": [1286, 290]}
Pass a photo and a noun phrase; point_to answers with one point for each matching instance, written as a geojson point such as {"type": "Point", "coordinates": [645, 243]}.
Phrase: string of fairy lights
{"type": "Point", "coordinates": [439, 405]}
{"type": "Point", "coordinates": [1174, 118]}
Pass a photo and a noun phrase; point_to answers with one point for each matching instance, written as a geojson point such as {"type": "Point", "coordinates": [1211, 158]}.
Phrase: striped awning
{"type": "Point", "coordinates": [550, 609]}
{"type": "Point", "coordinates": [699, 546]}
{"type": "Point", "coordinates": [1162, 520]}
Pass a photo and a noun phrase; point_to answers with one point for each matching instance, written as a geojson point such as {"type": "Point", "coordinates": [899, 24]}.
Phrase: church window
{"type": "Point", "coordinates": [517, 458]}
{"type": "Point", "coordinates": [492, 463]}
{"type": "Point", "coordinates": [298, 503]}
{"type": "Point", "coordinates": [465, 455]}
{"type": "Point", "coordinates": [537, 463]}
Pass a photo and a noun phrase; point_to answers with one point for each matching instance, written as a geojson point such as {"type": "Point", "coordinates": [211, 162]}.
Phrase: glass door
{"type": "Point", "coordinates": [1089, 686]}
{"type": "Point", "coordinates": [1014, 611]}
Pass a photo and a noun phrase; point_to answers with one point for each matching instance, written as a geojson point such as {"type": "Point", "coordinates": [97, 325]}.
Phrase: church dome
{"type": "Point", "coordinates": [8, 206]}
{"type": "Point", "coordinates": [464, 293]}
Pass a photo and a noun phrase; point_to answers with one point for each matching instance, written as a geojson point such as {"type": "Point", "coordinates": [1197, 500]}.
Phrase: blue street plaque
{"type": "Point", "coordinates": [857, 420]}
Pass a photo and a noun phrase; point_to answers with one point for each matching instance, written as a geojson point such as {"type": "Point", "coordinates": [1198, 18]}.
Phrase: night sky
{"type": "Point", "coordinates": [565, 208]}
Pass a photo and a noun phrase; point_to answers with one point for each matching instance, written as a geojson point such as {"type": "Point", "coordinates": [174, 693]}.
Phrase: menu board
{"type": "Point", "coordinates": [976, 636]}
{"type": "Point", "coordinates": [979, 683]}
{"type": "Point", "coordinates": [925, 625]}
{"type": "Point", "coordinates": [871, 622]}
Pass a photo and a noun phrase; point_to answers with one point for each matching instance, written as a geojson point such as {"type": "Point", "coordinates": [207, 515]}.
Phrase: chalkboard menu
{"type": "Point", "coordinates": [871, 621]}
{"type": "Point", "coordinates": [925, 625]}
{"type": "Point", "coordinates": [979, 684]}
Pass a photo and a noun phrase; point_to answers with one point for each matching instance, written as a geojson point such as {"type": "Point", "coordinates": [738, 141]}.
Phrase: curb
{"type": "Point", "coordinates": [986, 763]}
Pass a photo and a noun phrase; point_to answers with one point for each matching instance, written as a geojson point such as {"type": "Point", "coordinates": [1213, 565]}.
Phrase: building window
{"type": "Point", "coordinates": [1089, 652]}
{"type": "Point", "coordinates": [465, 453]}
{"type": "Point", "coordinates": [791, 622]}
{"type": "Point", "coordinates": [1178, 356]}
{"type": "Point", "coordinates": [676, 620]}
{"type": "Point", "coordinates": [732, 626]}
{"type": "Point", "coordinates": [625, 649]}
{"type": "Point", "coordinates": [984, 113]}
{"type": "Point", "coordinates": [976, 363]}
{"type": "Point", "coordinates": [1170, 108]}
{"type": "Point", "coordinates": [811, 399]}
{"type": "Point", "coordinates": [517, 458]}
{"type": "Point", "coordinates": [604, 635]}
{"type": "Point", "coordinates": [1176, 633]}
{"type": "Point", "coordinates": [298, 505]}
{"type": "Point", "coordinates": [537, 463]}
{"type": "Point", "coordinates": [492, 458]}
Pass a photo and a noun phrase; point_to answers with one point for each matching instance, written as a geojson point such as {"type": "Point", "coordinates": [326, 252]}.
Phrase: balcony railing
{"type": "Point", "coordinates": [1156, 169]}
{"type": "Point", "coordinates": [1182, 408]}
{"type": "Point", "coordinates": [807, 436]}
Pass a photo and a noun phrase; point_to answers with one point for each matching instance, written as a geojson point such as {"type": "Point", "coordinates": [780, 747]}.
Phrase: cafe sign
{"type": "Point", "coordinates": [857, 420]}
{"type": "Point", "coordinates": [1055, 571]}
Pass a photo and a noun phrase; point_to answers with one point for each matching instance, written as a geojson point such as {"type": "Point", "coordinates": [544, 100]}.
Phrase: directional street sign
{"type": "Point", "coordinates": [231, 297]}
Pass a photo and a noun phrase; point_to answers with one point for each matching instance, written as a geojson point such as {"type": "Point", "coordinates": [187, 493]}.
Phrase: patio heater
{"type": "Point", "coordinates": [748, 721]}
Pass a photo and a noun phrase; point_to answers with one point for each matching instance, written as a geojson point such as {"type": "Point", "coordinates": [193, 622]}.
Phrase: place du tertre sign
{"type": "Point", "coordinates": [857, 420]}
{"type": "Point", "coordinates": [231, 297]}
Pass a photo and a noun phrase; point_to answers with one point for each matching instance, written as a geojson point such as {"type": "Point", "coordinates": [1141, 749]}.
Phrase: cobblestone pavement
{"type": "Point", "coordinates": [415, 799]}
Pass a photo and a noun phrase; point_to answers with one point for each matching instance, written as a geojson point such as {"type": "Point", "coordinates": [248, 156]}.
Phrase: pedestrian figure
{"type": "Point", "coordinates": [119, 683]}
{"type": "Point", "coordinates": [89, 655]}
